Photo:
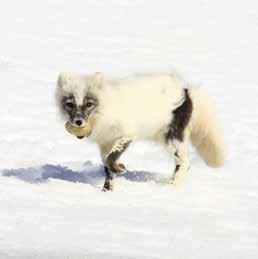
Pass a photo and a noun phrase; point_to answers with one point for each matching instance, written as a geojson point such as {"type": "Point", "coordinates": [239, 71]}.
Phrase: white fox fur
{"type": "Point", "coordinates": [138, 108]}
{"type": "Point", "coordinates": [142, 108]}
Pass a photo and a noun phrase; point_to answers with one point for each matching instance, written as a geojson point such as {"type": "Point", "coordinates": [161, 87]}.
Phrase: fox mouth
{"type": "Point", "coordinates": [84, 136]}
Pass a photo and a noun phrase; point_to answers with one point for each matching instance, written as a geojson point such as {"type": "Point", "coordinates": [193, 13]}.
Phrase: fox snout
{"type": "Point", "coordinates": [78, 122]}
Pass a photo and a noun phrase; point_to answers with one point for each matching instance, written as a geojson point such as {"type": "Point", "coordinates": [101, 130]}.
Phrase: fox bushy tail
{"type": "Point", "coordinates": [205, 133]}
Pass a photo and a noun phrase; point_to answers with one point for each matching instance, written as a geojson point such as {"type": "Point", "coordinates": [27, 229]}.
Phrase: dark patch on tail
{"type": "Point", "coordinates": [181, 118]}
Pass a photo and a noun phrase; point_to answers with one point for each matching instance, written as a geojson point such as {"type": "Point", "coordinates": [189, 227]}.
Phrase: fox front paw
{"type": "Point", "coordinates": [108, 186]}
{"type": "Point", "coordinates": [116, 168]}
{"type": "Point", "coordinates": [119, 168]}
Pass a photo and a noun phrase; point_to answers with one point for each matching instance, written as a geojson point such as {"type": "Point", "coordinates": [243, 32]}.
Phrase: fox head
{"type": "Point", "coordinates": [78, 97]}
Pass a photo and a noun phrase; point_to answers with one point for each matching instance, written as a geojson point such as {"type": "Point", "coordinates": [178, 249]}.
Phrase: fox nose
{"type": "Point", "coordinates": [78, 122]}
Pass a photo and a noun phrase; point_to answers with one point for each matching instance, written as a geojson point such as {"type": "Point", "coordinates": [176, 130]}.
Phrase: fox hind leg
{"type": "Point", "coordinates": [180, 152]}
{"type": "Point", "coordinates": [178, 135]}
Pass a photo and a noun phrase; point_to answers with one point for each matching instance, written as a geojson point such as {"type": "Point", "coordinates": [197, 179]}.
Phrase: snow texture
{"type": "Point", "coordinates": [50, 199]}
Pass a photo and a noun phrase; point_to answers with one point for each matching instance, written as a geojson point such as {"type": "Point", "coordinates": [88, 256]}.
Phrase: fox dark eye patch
{"type": "Point", "coordinates": [68, 102]}
{"type": "Point", "coordinates": [90, 101]}
{"type": "Point", "coordinates": [89, 104]}
{"type": "Point", "coordinates": [69, 105]}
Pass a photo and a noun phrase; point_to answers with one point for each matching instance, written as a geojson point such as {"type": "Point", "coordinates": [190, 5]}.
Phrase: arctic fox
{"type": "Point", "coordinates": [154, 107]}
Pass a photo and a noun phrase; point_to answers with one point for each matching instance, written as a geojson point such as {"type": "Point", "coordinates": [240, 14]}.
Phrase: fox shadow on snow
{"type": "Point", "coordinates": [91, 174]}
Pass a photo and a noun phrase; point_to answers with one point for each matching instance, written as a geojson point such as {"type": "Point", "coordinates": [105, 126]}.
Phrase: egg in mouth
{"type": "Point", "coordinates": [79, 132]}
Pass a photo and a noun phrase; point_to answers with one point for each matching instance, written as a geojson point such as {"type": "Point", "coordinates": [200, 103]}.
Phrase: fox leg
{"type": "Point", "coordinates": [109, 159]}
{"type": "Point", "coordinates": [181, 158]}
{"type": "Point", "coordinates": [119, 167]}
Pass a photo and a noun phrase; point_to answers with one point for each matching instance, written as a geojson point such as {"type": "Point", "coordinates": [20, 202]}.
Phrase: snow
{"type": "Point", "coordinates": [50, 199]}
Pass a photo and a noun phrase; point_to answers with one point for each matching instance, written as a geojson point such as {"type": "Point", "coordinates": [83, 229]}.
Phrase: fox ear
{"type": "Point", "coordinates": [98, 79]}
{"type": "Point", "coordinates": [64, 78]}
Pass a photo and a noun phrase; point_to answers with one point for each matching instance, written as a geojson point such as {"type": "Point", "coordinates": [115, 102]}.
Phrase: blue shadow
{"type": "Point", "coordinates": [90, 174]}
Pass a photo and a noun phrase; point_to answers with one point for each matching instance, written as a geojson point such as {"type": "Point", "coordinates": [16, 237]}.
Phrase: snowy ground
{"type": "Point", "coordinates": [50, 199]}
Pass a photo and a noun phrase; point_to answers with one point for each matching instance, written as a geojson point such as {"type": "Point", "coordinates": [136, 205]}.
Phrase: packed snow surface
{"type": "Point", "coordinates": [50, 196]}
